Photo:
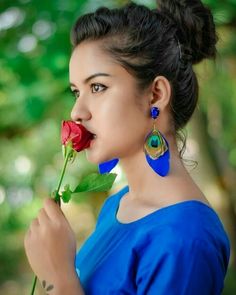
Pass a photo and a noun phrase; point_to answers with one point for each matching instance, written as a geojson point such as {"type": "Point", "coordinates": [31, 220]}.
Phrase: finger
{"type": "Point", "coordinates": [32, 228]}
{"type": "Point", "coordinates": [34, 224]}
{"type": "Point", "coordinates": [42, 216]}
{"type": "Point", "coordinates": [27, 236]}
{"type": "Point", "coordinates": [52, 209]}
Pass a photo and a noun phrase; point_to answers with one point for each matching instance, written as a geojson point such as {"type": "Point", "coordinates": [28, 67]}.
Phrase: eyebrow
{"type": "Point", "coordinates": [91, 77]}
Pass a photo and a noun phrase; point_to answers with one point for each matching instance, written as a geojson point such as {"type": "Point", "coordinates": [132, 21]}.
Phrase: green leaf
{"type": "Point", "coordinates": [96, 182]}
{"type": "Point", "coordinates": [66, 194]}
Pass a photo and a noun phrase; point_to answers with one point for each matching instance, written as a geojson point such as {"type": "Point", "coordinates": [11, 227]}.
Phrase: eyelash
{"type": "Point", "coordinates": [75, 92]}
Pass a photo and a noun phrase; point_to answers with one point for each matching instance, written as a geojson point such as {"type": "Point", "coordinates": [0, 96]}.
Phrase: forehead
{"type": "Point", "coordinates": [88, 57]}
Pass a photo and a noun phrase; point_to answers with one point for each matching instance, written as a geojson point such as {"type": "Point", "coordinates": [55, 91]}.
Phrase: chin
{"type": "Point", "coordinates": [96, 159]}
{"type": "Point", "coordinates": [92, 158]}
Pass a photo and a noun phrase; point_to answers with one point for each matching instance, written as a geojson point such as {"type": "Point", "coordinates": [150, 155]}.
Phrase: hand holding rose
{"type": "Point", "coordinates": [50, 247]}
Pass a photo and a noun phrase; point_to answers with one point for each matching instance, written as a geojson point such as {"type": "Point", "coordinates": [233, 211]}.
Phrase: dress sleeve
{"type": "Point", "coordinates": [177, 266]}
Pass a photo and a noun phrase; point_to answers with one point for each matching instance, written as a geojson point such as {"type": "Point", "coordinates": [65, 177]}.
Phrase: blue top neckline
{"type": "Point", "coordinates": [160, 211]}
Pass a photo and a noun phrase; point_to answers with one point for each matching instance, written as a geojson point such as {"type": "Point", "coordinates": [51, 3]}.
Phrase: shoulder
{"type": "Point", "coordinates": [197, 229]}
{"type": "Point", "coordinates": [178, 247]}
{"type": "Point", "coordinates": [189, 221]}
{"type": "Point", "coordinates": [170, 261]}
{"type": "Point", "coordinates": [168, 238]}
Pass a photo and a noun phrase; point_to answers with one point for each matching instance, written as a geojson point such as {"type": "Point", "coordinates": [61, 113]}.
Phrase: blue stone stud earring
{"type": "Point", "coordinates": [156, 148]}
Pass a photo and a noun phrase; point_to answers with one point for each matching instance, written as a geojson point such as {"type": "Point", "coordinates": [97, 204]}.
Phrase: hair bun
{"type": "Point", "coordinates": [196, 27]}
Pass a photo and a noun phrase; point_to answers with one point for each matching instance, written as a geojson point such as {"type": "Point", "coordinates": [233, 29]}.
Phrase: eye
{"type": "Point", "coordinates": [96, 87]}
{"type": "Point", "coordinates": [75, 93]}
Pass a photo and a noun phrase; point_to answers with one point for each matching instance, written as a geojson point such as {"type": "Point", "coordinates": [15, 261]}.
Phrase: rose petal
{"type": "Point", "coordinates": [77, 134]}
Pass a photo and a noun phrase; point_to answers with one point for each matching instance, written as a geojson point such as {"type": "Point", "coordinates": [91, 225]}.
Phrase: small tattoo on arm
{"type": "Point", "coordinates": [47, 287]}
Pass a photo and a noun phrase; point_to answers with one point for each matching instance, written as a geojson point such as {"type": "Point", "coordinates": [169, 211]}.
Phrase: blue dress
{"type": "Point", "coordinates": [181, 249]}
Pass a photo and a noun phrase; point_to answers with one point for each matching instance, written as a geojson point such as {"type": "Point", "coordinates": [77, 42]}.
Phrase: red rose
{"type": "Point", "coordinates": [77, 134]}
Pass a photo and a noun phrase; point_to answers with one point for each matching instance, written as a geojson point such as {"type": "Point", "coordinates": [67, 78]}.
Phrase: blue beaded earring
{"type": "Point", "coordinates": [156, 148]}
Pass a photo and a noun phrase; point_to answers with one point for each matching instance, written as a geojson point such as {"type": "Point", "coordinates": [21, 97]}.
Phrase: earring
{"type": "Point", "coordinates": [156, 148]}
{"type": "Point", "coordinates": [106, 167]}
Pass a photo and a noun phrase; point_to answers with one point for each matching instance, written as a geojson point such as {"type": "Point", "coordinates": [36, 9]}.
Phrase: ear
{"type": "Point", "coordinates": [161, 92]}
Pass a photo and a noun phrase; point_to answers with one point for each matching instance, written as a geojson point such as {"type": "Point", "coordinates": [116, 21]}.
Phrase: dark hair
{"type": "Point", "coordinates": [164, 41]}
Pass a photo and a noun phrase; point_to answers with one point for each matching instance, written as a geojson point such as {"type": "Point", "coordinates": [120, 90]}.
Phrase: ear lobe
{"type": "Point", "coordinates": [161, 91]}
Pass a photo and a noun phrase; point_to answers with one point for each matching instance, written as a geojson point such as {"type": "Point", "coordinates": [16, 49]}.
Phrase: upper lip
{"type": "Point", "coordinates": [88, 129]}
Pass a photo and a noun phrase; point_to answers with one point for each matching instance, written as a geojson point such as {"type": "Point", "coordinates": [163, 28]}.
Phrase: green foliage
{"type": "Point", "coordinates": [230, 282]}
{"type": "Point", "coordinates": [66, 194]}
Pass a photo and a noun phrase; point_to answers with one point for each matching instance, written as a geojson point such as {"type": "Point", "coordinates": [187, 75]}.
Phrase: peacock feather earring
{"type": "Point", "coordinates": [156, 148]}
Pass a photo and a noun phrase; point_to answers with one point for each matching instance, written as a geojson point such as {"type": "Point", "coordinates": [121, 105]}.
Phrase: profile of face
{"type": "Point", "coordinates": [106, 96]}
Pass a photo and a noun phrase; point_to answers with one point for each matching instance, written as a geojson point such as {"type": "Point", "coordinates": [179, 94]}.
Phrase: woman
{"type": "Point", "coordinates": [131, 71]}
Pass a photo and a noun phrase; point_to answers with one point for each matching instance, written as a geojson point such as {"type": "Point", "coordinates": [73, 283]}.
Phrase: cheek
{"type": "Point", "coordinates": [119, 117]}
{"type": "Point", "coordinates": [117, 114]}
{"type": "Point", "coordinates": [124, 124]}
{"type": "Point", "coordinates": [118, 103]}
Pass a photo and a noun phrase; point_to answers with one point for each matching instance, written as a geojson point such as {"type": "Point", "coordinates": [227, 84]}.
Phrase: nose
{"type": "Point", "coordinates": [80, 113]}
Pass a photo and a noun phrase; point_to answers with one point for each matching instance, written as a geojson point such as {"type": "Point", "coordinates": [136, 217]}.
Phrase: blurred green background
{"type": "Point", "coordinates": [34, 98]}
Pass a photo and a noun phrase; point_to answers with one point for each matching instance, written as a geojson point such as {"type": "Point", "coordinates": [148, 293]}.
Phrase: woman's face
{"type": "Point", "coordinates": [106, 104]}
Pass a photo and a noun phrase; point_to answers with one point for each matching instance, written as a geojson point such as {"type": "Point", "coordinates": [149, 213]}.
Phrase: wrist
{"type": "Point", "coordinates": [69, 284]}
